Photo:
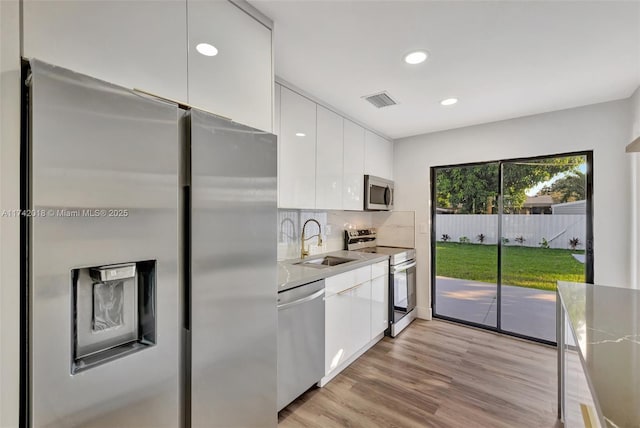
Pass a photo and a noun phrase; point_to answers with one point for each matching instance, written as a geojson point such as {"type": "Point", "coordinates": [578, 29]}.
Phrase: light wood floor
{"type": "Point", "coordinates": [437, 374]}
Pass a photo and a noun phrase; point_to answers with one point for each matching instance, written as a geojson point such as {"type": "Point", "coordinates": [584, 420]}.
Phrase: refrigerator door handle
{"type": "Point", "coordinates": [302, 300]}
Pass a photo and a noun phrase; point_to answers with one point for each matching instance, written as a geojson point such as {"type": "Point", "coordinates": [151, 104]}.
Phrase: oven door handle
{"type": "Point", "coordinates": [404, 267]}
{"type": "Point", "coordinates": [302, 300]}
{"type": "Point", "coordinates": [387, 195]}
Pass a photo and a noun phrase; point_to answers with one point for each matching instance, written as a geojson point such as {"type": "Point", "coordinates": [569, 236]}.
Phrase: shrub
{"type": "Point", "coordinates": [544, 243]}
{"type": "Point", "coordinates": [505, 241]}
{"type": "Point", "coordinates": [574, 243]}
{"type": "Point", "coordinates": [520, 240]}
{"type": "Point", "coordinates": [481, 238]}
{"type": "Point", "coordinates": [445, 237]}
{"type": "Point", "coordinates": [464, 240]}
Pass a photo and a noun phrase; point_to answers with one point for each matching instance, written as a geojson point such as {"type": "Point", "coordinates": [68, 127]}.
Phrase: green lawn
{"type": "Point", "coordinates": [521, 266]}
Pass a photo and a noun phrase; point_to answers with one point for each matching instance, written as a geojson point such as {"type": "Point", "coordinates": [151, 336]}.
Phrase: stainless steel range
{"type": "Point", "coordinates": [402, 276]}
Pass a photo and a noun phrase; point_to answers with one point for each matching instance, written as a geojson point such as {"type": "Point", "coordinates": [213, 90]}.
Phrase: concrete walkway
{"type": "Point", "coordinates": [527, 311]}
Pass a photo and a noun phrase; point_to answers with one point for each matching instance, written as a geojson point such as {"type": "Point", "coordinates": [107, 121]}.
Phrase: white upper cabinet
{"type": "Point", "coordinates": [276, 110]}
{"type": "Point", "coordinates": [237, 82]}
{"type": "Point", "coordinates": [353, 177]}
{"type": "Point", "coordinates": [148, 45]}
{"type": "Point", "coordinates": [136, 44]}
{"type": "Point", "coordinates": [332, 176]}
{"type": "Point", "coordinates": [297, 158]}
{"type": "Point", "coordinates": [378, 156]}
{"type": "Point", "coordinates": [329, 152]}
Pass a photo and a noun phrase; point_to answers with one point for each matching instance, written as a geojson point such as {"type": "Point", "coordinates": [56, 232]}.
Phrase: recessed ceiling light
{"type": "Point", "coordinates": [415, 57]}
{"type": "Point", "coordinates": [206, 49]}
{"type": "Point", "coordinates": [449, 101]}
{"type": "Point", "coordinates": [300, 134]}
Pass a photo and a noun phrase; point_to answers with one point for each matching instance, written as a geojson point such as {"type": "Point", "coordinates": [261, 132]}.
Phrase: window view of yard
{"type": "Point", "coordinates": [537, 210]}
{"type": "Point", "coordinates": [528, 267]}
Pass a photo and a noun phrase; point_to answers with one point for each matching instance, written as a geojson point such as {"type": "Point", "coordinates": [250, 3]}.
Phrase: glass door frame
{"type": "Point", "coordinates": [589, 270]}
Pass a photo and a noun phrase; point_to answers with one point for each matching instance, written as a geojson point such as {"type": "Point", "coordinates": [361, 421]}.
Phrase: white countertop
{"type": "Point", "coordinates": [606, 324]}
{"type": "Point", "coordinates": [291, 275]}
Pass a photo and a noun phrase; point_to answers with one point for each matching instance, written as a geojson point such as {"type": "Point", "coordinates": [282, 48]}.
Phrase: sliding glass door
{"type": "Point", "coordinates": [466, 254]}
{"type": "Point", "coordinates": [503, 233]}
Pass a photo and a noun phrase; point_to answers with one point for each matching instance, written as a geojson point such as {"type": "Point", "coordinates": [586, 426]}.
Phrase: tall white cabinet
{"type": "Point", "coordinates": [297, 157]}
{"type": "Point", "coordinates": [329, 160]}
{"type": "Point", "coordinates": [150, 45]}
{"type": "Point", "coordinates": [353, 171]}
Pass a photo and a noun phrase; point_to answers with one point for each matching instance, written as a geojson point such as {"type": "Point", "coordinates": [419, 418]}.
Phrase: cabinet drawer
{"type": "Point", "coordinates": [379, 269]}
{"type": "Point", "coordinates": [363, 274]}
{"type": "Point", "coordinates": [337, 283]}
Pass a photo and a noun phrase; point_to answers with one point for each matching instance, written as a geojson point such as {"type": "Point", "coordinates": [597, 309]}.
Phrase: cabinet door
{"type": "Point", "coordinates": [353, 178]}
{"type": "Point", "coordinates": [338, 343]}
{"type": "Point", "coordinates": [276, 111]}
{"type": "Point", "coordinates": [361, 315]}
{"type": "Point", "coordinates": [378, 156]}
{"type": "Point", "coordinates": [329, 152]}
{"type": "Point", "coordinates": [379, 305]}
{"type": "Point", "coordinates": [238, 81]}
{"type": "Point", "coordinates": [297, 180]}
{"type": "Point", "coordinates": [136, 44]}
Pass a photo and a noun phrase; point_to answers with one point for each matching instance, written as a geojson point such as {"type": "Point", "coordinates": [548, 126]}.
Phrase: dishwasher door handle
{"type": "Point", "coordinates": [308, 298]}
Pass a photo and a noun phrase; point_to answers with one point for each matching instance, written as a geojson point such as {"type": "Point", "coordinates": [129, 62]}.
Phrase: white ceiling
{"type": "Point", "coordinates": [501, 59]}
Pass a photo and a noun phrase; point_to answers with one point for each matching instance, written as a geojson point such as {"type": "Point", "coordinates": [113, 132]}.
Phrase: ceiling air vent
{"type": "Point", "coordinates": [381, 99]}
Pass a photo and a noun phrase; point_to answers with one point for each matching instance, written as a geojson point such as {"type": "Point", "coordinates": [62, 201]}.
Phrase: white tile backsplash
{"type": "Point", "coordinates": [394, 229]}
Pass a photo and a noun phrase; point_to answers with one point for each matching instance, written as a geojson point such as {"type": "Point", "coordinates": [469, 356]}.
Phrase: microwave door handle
{"type": "Point", "coordinates": [387, 195]}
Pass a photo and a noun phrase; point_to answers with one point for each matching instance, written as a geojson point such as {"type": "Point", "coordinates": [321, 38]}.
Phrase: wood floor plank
{"type": "Point", "coordinates": [437, 374]}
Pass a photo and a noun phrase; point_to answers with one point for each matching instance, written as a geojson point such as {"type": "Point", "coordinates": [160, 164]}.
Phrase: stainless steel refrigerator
{"type": "Point", "coordinates": [149, 258]}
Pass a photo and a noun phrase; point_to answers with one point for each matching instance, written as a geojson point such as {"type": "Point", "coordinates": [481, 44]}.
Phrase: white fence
{"type": "Point", "coordinates": [556, 229]}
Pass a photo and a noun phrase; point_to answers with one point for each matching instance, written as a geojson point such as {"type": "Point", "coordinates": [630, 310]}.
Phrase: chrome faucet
{"type": "Point", "coordinates": [303, 252]}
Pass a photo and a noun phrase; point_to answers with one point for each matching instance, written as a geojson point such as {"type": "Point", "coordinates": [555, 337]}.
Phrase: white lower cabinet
{"type": "Point", "coordinates": [355, 311]}
{"type": "Point", "coordinates": [337, 334]}
{"type": "Point", "coordinates": [379, 305]}
{"type": "Point", "coordinates": [361, 315]}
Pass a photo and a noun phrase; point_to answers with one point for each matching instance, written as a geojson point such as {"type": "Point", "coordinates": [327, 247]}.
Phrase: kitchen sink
{"type": "Point", "coordinates": [325, 262]}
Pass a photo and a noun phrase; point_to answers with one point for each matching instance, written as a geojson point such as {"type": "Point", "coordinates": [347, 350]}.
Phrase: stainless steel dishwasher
{"type": "Point", "coordinates": [300, 340]}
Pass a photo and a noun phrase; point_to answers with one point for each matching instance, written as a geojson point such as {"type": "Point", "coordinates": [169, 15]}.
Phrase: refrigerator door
{"type": "Point", "coordinates": [104, 295]}
{"type": "Point", "coordinates": [234, 278]}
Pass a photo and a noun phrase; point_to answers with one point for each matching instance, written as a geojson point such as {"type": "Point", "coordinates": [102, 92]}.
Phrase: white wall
{"type": "Point", "coordinates": [635, 112]}
{"type": "Point", "coordinates": [603, 128]}
{"type": "Point", "coordinates": [9, 199]}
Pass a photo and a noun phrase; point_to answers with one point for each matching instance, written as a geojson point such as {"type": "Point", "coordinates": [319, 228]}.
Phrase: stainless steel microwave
{"type": "Point", "coordinates": [378, 194]}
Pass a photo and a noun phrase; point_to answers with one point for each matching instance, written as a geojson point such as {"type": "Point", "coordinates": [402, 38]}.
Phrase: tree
{"type": "Point", "coordinates": [570, 188]}
{"type": "Point", "coordinates": [467, 189]}
{"type": "Point", "coordinates": [474, 189]}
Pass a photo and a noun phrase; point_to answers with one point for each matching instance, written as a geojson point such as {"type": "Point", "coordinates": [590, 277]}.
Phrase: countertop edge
{"type": "Point", "coordinates": [305, 275]}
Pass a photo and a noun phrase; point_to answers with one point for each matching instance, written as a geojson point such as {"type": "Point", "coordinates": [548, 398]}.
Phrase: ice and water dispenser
{"type": "Point", "coordinates": [114, 312]}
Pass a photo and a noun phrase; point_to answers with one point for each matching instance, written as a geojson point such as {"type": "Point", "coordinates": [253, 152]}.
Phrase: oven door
{"type": "Point", "coordinates": [403, 281]}
{"type": "Point", "coordinates": [379, 194]}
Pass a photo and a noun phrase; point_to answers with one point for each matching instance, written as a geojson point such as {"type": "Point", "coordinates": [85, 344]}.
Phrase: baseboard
{"type": "Point", "coordinates": [424, 313]}
{"type": "Point", "coordinates": [325, 380]}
